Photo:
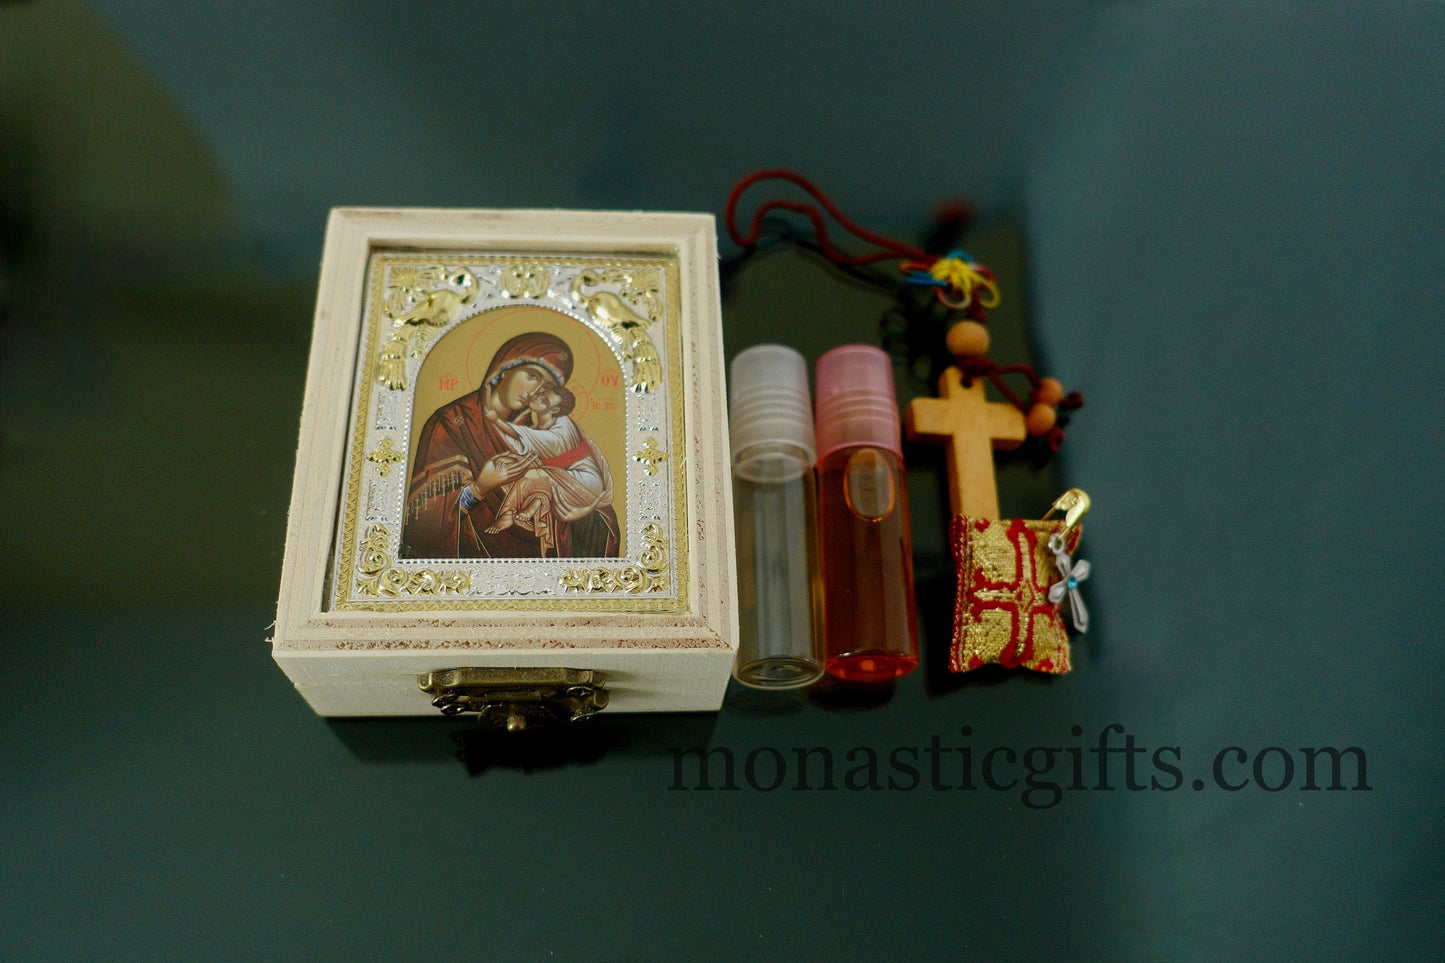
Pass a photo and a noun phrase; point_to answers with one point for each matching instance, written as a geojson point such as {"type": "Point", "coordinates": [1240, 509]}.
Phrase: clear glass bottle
{"type": "Point", "coordinates": [870, 625]}
{"type": "Point", "coordinates": [774, 512]}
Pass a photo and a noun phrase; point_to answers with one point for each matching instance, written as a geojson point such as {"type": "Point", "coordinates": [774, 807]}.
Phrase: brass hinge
{"type": "Point", "coordinates": [517, 698]}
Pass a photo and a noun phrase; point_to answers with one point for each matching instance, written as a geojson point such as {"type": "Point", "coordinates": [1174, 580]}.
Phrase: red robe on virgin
{"type": "Point", "coordinates": [454, 445]}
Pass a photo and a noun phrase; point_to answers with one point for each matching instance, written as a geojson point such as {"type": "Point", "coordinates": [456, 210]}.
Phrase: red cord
{"type": "Point", "coordinates": [891, 249]}
{"type": "Point", "coordinates": [984, 367]}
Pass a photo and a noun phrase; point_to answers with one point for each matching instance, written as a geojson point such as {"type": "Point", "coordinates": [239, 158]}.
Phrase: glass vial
{"type": "Point", "coordinates": [870, 627]}
{"type": "Point", "coordinates": [774, 512]}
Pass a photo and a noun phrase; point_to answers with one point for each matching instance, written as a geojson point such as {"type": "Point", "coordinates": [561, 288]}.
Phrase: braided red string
{"type": "Point", "coordinates": [890, 249]}
{"type": "Point", "coordinates": [887, 249]}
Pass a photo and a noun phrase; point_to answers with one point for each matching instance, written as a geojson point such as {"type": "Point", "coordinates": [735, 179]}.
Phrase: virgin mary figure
{"type": "Point", "coordinates": [464, 466]}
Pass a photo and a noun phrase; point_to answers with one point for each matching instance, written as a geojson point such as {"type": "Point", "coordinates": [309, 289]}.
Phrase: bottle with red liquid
{"type": "Point", "coordinates": [870, 628]}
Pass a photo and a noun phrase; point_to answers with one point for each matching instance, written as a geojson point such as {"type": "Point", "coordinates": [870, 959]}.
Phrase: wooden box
{"type": "Point", "coordinates": [513, 455]}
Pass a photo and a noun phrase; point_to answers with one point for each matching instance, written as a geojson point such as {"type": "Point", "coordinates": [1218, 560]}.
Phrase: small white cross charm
{"type": "Point", "coordinates": [1071, 574]}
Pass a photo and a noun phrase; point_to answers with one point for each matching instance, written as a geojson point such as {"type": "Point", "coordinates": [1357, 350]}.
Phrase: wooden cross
{"type": "Point", "coordinates": [971, 426]}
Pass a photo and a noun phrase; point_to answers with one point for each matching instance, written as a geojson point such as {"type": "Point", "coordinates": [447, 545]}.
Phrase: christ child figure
{"type": "Point", "coordinates": [571, 480]}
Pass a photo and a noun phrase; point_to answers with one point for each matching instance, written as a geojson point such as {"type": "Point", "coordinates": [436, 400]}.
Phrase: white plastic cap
{"type": "Point", "coordinates": [768, 400]}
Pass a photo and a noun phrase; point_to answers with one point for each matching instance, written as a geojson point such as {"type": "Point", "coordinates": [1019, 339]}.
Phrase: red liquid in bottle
{"type": "Point", "coordinates": [870, 628]}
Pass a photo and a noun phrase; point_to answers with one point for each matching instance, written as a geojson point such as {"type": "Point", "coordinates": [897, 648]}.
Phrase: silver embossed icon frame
{"type": "Point", "coordinates": [451, 509]}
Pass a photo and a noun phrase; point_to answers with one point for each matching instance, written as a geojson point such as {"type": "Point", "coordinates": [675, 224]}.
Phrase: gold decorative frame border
{"type": "Point", "coordinates": [626, 586]}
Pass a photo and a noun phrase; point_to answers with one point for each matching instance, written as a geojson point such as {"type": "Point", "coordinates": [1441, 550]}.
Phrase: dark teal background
{"type": "Point", "coordinates": [1220, 221]}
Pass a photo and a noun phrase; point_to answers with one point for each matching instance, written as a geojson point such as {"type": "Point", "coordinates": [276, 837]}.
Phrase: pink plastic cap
{"type": "Point", "coordinates": [855, 400]}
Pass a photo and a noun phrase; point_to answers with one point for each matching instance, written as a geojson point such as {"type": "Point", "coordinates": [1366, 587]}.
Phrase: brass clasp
{"type": "Point", "coordinates": [517, 699]}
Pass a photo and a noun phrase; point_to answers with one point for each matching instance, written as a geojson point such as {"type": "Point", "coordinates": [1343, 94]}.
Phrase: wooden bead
{"type": "Point", "coordinates": [1041, 418]}
{"type": "Point", "coordinates": [967, 339]}
{"type": "Point", "coordinates": [1049, 391]}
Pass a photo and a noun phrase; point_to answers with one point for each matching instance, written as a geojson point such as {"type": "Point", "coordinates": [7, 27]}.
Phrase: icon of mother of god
{"type": "Point", "coordinates": [473, 451]}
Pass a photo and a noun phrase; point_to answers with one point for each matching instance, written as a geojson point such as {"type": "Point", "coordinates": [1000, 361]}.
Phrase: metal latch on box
{"type": "Point", "coordinates": [517, 698]}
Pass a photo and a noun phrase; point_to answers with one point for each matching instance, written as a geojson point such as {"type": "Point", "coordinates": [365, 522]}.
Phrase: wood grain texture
{"type": "Point", "coordinates": [660, 661]}
{"type": "Point", "coordinates": [971, 427]}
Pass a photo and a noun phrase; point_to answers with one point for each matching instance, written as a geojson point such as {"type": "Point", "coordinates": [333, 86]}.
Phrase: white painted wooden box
{"type": "Point", "coordinates": [513, 454]}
